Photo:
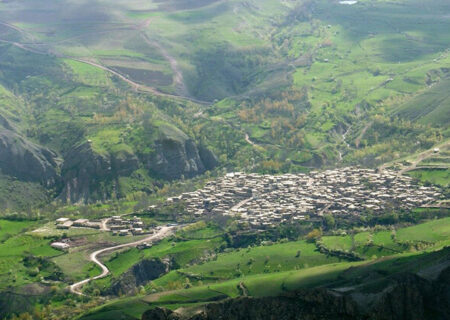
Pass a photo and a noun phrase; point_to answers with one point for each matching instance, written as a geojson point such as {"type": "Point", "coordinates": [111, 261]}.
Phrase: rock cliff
{"type": "Point", "coordinates": [177, 155]}
{"type": "Point", "coordinates": [141, 273]}
{"type": "Point", "coordinates": [88, 175]}
{"type": "Point", "coordinates": [26, 160]}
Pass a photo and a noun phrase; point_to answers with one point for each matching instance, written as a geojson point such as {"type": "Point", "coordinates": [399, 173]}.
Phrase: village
{"type": "Point", "coordinates": [263, 201]}
{"type": "Point", "coordinates": [117, 225]}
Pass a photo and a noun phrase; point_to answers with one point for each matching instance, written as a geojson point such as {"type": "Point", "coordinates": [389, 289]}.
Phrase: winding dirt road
{"type": "Point", "coordinates": [178, 76]}
{"type": "Point", "coordinates": [76, 287]}
{"type": "Point", "coordinates": [418, 158]}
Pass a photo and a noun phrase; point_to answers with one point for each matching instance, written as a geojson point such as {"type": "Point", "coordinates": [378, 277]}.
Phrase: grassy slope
{"type": "Point", "coordinates": [334, 275]}
{"type": "Point", "coordinates": [436, 232]}
{"type": "Point", "coordinates": [274, 258]}
{"type": "Point", "coordinates": [13, 250]}
{"type": "Point", "coordinates": [11, 228]}
{"type": "Point", "coordinates": [429, 107]}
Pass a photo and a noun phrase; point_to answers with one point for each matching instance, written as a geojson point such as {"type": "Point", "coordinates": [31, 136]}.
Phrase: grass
{"type": "Point", "coordinates": [429, 107]}
{"type": "Point", "coordinates": [436, 232]}
{"type": "Point", "coordinates": [11, 228]}
{"type": "Point", "coordinates": [272, 258]}
{"type": "Point", "coordinates": [258, 286]}
{"type": "Point", "coordinates": [435, 176]}
{"type": "Point", "coordinates": [13, 250]}
{"type": "Point", "coordinates": [433, 231]}
{"type": "Point", "coordinates": [333, 275]}
{"type": "Point", "coordinates": [221, 280]}
{"type": "Point", "coordinates": [182, 252]}
{"type": "Point", "coordinates": [109, 140]}
{"type": "Point", "coordinates": [88, 74]}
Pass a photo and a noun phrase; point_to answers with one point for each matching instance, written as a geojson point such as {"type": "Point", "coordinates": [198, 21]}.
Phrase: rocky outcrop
{"type": "Point", "coordinates": [141, 273]}
{"type": "Point", "coordinates": [403, 296]}
{"type": "Point", "coordinates": [24, 159]}
{"type": "Point", "coordinates": [177, 155]}
{"type": "Point", "coordinates": [208, 158]}
{"type": "Point", "coordinates": [304, 305]}
{"type": "Point", "coordinates": [23, 299]}
{"type": "Point", "coordinates": [88, 175]}
{"type": "Point", "coordinates": [160, 314]}
{"type": "Point", "coordinates": [82, 172]}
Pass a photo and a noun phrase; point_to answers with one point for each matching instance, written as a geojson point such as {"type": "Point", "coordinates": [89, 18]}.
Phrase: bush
{"type": "Point", "coordinates": [314, 235]}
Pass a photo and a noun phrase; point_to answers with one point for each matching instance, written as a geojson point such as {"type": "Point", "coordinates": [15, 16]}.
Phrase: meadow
{"type": "Point", "coordinates": [435, 176]}
{"type": "Point", "coordinates": [12, 253]}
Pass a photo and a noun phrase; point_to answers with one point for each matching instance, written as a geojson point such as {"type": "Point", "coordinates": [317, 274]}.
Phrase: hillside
{"type": "Point", "coordinates": [144, 90]}
{"type": "Point", "coordinates": [212, 159]}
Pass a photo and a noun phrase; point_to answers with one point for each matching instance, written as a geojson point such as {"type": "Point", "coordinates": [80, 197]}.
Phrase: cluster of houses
{"type": "Point", "coordinates": [122, 227]}
{"type": "Point", "coordinates": [66, 223]}
{"type": "Point", "coordinates": [115, 224]}
{"type": "Point", "coordinates": [267, 200]}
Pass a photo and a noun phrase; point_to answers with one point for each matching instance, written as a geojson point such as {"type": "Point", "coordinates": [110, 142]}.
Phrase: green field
{"type": "Point", "coordinates": [11, 228]}
{"type": "Point", "coordinates": [430, 106]}
{"type": "Point", "coordinates": [436, 176]}
{"type": "Point", "coordinates": [12, 251]}
{"type": "Point", "coordinates": [272, 269]}
{"type": "Point", "coordinates": [384, 243]}
{"type": "Point", "coordinates": [272, 258]}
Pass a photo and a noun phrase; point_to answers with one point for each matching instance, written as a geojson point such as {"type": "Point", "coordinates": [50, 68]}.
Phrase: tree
{"type": "Point", "coordinates": [330, 222]}
{"type": "Point", "coordinates": [314, 235]}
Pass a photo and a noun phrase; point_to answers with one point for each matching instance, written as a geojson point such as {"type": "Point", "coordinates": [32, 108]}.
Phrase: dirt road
{"type": "Point", "coordinates": [422, 156]}
{"type": "Point", "coordinates": [178, 75]}
{"type": "Point", "coordinates": [76, 287]}
{"type": "Point", "coordinates": [104, 224]}
{"type": "Point", "coordinates": [419, 158]}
